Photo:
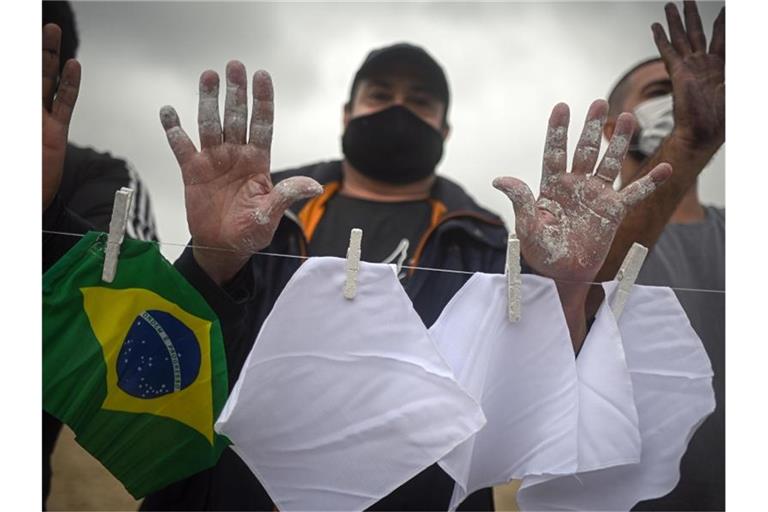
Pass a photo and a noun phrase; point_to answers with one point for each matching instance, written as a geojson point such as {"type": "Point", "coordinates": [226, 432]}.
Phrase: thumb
{"type": "Point", "coordinates": [288, 191]}
{"type": "Point", "coordinates": [522, 201]}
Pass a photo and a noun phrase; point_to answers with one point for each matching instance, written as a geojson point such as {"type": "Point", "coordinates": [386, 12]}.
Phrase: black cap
{"type": "Point", "coordinates": [405, 56]}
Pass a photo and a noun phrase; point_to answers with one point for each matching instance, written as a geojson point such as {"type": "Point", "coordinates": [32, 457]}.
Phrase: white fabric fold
{"type": "Point", "coordinates": [548, 413]}
{"type": "Point", "coordinates": [672, 390]}
{"type": "Point", "coordinates": [342, 401]}
{"type": "Point", "coordinates": [524, 376]}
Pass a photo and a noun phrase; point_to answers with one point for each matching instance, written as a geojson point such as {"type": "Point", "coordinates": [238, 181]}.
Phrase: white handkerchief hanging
{"type": "Point", "coordinates": [672, 386]}
{"type": "Point", "coordinates": [548, 414]}
{"type": "Point", "coordinates": [522, 373]}
{"type": "Point", "coordinates": [342, 401]}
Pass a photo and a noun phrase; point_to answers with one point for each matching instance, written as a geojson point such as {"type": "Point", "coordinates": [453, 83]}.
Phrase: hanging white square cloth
{"type": "Point", "coordinates": [342, 401]}
{"type": "Point", "coordinates": [672, 386]}
{"type": "Point", "coordinates": [547, 412]}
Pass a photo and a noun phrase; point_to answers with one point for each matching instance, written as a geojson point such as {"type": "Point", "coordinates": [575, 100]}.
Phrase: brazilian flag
{"type": "Point", "coordinates": [136, 368]}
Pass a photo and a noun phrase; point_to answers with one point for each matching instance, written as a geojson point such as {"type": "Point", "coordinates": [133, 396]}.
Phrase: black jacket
{"type": "Point", "coordinates": [465, 237]}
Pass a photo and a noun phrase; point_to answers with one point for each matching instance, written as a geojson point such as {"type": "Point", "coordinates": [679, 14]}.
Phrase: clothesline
{"type": "Point", "coordinates": [426, 269]}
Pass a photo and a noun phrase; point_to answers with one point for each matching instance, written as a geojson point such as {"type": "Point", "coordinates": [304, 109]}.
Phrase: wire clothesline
{"type": "Point", "coordinates": [294, 256]}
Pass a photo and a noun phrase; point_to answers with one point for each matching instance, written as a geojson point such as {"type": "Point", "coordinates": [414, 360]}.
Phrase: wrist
{"type": "Point", "coordinates": [683, 145]}
{"type": "Point", "coordinates": [221, 266]}
{"type": "Point", "coordinates": [573, 297]}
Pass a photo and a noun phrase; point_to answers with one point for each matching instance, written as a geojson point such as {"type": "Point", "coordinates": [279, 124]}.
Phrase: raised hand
{"type": "Point", "coordinates": [230, 200]}
{"type": "Point", "coordinates": [697, 75]}
{"type": "Point", "coordinates": [567, 232]}
{"type": "Point", "coordinates": [59, 97]}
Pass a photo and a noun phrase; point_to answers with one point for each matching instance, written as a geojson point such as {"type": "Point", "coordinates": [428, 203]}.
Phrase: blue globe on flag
{"type": "Point", "coordinates": [160, 355]}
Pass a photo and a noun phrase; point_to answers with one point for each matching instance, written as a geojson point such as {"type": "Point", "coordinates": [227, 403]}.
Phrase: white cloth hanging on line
{"type": "Point", "coordinates": [672, 387]}
{"type": "Point", "coordinates": [342, 401]}
{"type": "Point", "coordinates": [547, 412]}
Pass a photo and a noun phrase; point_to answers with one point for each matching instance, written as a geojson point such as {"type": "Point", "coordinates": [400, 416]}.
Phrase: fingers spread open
{"type": "Point", "coordinates": [522, 201]}
{"type": "Point", "coordinates": [642, 188]}
{"type": "Point", "coordinates": [717, 46]}
{"type": "Point", "coordinates": [263, 111]}
{"type": "Point", "coordinates": [694, 27]}
{"type": "Point", "coordinates": [676, 30]}
{"type": "Point", "coordinates": [66, 96]}
{"type": "Point", "coordinates": [51, 44]}
{"type": "Point", "coordinates": [587, 149]}
{"type": "Point", "coordinates": [208, 121]}
{"type": "Point", "coordinates": [236, 104]}
{"type": "Point", "coordinates": [182, 147]}
{"type": "Point", "coordinates": [284, 194]}
{"type": "Point", "coordinates": [555, 158]}
{"type": "Point", "coordinates": [610, 165]}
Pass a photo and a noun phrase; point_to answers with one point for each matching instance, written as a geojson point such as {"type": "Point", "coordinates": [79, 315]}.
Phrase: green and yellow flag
{"type": "Point", "coordinates": [136, 367]}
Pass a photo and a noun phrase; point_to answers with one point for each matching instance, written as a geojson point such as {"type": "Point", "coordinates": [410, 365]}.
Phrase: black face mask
{"type": "Point", "coordinates": [393, 146]}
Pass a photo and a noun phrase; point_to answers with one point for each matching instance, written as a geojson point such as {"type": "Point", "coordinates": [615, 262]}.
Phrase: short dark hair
{"type": "Point", "coordinates": [619, 91]}
{"type": "Point", "coordinates": [404, 55]}
{"type": "Point", "coordinates": [62, 15]}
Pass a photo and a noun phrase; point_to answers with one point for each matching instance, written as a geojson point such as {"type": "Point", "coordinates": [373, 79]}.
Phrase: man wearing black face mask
{"type": "Point", "coordinates": [395, 124]}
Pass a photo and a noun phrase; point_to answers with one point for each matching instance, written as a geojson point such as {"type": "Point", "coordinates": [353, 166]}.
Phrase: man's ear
{"type": "Point", "coordinates": [608, 127]}
{"type": "Point", "coordinates": [346, 114]}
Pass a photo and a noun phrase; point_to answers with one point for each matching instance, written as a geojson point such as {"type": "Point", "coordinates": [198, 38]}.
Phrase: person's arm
{"type": "Point", "coordinates": [232, 207]}
{"type": "Point", "coordinates": [90, 182]}
{"type": "Point", "coordinates": [698, 91]}
{"type": "Point", "coordinates": [567, 232]}
{"type": "Point", "coordinates": [59, 97]}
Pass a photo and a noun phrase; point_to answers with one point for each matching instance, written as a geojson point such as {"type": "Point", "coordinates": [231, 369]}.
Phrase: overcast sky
{"type": "Point", "coordinates": [507, 65]}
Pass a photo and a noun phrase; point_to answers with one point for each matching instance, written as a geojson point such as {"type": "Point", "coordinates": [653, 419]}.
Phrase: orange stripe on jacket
{"type": "Point", "coordinates": [313, 211]}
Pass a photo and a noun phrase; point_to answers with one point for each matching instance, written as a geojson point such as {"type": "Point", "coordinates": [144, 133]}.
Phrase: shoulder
{"type": "Point", "coordinates": [455, 198]}
{"type": "Point", "coordinates": [716, 213]}
{"type": "Point", "coordinates": [81, 158]}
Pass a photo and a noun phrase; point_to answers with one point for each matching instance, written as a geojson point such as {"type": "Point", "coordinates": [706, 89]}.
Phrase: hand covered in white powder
{"type": "Point", "coordinates": [567, 232]}
{"type": "Point", "coordinates": [230, 200]}
{"type": "Point", "coordinates": [697, 75]}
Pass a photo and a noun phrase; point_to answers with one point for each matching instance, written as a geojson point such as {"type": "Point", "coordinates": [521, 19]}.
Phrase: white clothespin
{"type": "Point", "coordinates": [353, 263]}
{"type": "Point", "coordinates": [401, 252]}
{"type": "Point", "coordinates": [626, 276]}
{"type": "Point", "coordinates": [117, 224]}
{"type": "Point", "coordinates": [514, 281]}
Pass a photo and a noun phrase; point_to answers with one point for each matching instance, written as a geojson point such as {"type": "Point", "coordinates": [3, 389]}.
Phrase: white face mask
{"type": "Point", "coordinates": [656, 120]}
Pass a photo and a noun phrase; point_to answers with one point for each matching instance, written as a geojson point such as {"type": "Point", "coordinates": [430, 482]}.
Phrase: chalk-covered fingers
{"type": "Point", "coordinates": [236, 104]}
{"type": "Point", "coordinates": [677, 34]}
{"type": "Point", "coordinates": [610, 165]}
{"type": "Point", "coordinates": [522, 201]}
{"type": "Point", "coordinates": [284, 194]}
{"type": "Point", "coordinates": [588, 148]}
{"type": "Point", "coordinates": [208, 121]}
{"type": "Point", "coordinates": [556, 145]}
{"type": "Point", "coordinates": [693, 26]}
{"type": "Point", "coordinates": [262, 116]}
{"type": "Point", "coordinates": [717, 45]}
{"type": "Point", "coordinates": [182, 147]}
{"type": "Point", "coordinates": [645, 186]}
